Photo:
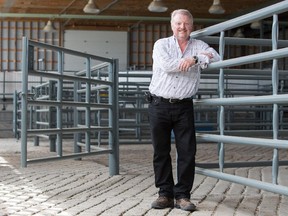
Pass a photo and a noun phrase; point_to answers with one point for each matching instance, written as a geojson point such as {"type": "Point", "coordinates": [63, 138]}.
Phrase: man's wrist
{"type": "Point", "coordinates": [195, 58]}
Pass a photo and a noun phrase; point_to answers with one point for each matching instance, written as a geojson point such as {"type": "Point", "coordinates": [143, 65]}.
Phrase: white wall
{"type": "Point", "coordinates": [101, 43]}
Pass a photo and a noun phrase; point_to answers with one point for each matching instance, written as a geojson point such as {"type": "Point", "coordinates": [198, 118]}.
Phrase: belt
{"type": "Point", "coordinates": [172, 100]}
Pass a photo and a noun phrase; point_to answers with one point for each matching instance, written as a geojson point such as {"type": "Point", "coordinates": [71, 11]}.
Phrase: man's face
{"type": "Point", "coordinates": [181, 26]}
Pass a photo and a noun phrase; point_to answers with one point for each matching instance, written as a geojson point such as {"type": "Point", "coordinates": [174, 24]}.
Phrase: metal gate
{"type": "Point", "coordinates": [41, 110]}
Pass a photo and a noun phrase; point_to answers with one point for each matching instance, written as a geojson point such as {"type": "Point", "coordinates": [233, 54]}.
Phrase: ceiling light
{"type": "Point", "coordinates": [239, 33]}
{"type": "Point", "coordinates": [255, 25]}
{"type": "Point", "coordinates": [91, 7]}
{"type": "Point", "coordinates": [216, 8]}
{"type": "Point", "coordinates": [49, 27]}
{"type": "Point", "coordinates": [157, 6]}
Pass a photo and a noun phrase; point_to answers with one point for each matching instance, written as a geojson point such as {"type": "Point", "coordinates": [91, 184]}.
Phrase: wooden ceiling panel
{"type": "Point", "coordinates": [124, 8]}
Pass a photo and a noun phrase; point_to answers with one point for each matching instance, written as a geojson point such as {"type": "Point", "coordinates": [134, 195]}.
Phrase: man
{"type": "Point", "coordinates": [177, 62]}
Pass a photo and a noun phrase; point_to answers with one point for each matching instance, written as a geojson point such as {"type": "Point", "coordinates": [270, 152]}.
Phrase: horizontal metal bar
{"type": "Point", "coordinates": [264, 56]}
{"type": "Point", "coordinates": [56, 75]}
{"type": "Point", "coordinates": [270, 99]}
{"type": "Point", "coordinates": [67, 130]}
{"type": "Point", "coordinates": [43, 136]}
{"type": "Point", "coordinates": [271, 143]}
{"type": "Point", "coordinates": [131, 74]}
{"type": "Point", "coordinates": [245, 41]}
{"type": "Point", "coordinates": [82, 109]}
{"type": "Point", "coordinates": [69, 51]}
{"type": "Point", "coordinates": [69, 156]}
{"type": "Point", "coordinates": [102, 17]}
{"type": "Point", "coordinates": [263, 133]}
{"type": "Point", "coordinates": [241, 164]}
{"type": "Point", "coordinates": [91, 146]}
{"type": "Point", "coordinates": [244, 181]}
{"type": "Point", "coordinates": [42, 123]}
{"type": "Point", "coordinates": [246, 72]}
{"type": "Point", "coordinates": [41, 110]}
{"type": "Point", "coordinates": [96, 67]}
{"type": "Point", "coordinates": [43, 97]}
{"type": "Point", "coordinates": [68, 103]}
{"type": "Point", "coordinates": [41, 85]}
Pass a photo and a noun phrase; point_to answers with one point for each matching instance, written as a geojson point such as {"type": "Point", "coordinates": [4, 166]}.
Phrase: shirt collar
{"type": "Point", "coordinates": [175, 39]}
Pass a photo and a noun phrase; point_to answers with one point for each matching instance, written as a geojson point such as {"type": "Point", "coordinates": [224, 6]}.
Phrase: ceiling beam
{"type": "Point", "coordinates": [100, 17]}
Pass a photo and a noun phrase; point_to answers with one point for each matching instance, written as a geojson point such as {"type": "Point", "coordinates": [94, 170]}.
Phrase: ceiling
{"type": "Point", "coordinates": [120, 14]}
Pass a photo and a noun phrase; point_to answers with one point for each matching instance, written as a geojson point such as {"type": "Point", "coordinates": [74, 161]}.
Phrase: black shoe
{"type": "Point", "coordinates": [185, 204]}
{"type": "Point", "coordinates": [163, 202]}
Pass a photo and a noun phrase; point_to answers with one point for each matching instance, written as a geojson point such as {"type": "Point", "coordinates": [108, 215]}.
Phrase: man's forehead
{"type": "Point", "coordinates": [179, 17]}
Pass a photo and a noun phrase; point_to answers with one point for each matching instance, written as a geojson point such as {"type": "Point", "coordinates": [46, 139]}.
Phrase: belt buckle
{"type": "Point", "coordinates": [171, 100]}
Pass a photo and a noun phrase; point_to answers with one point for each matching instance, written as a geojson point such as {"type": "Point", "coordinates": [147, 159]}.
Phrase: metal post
{"type": "Point", "coordinates": [275, 81]}
{"type": "Point", "coordinates": [77, 136]}
{"type": "Point", "coordinates": [221, 114]}
{"type": "Point", "coordinates": [59, 107]}
{"type": "Point", "coordinates": [24, 93]}
{"type": "Point", "coordinates": [113, 119]}
{"type": "Point", "coordinates": [88, 109]}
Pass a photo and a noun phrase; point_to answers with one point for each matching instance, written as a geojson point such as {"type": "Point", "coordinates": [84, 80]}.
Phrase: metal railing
{"type": "Point", "coordinates": [274, 99]}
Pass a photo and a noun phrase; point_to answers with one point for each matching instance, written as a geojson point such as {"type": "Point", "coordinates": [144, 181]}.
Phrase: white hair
{"type": "Point", "coordinates": [183, 12]}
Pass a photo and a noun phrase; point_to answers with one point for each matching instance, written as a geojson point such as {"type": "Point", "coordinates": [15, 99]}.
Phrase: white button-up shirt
{"type": "Point", "coordinates": [167, 79]}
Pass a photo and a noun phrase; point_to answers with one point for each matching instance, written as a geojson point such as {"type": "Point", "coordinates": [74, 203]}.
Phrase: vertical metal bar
{"type": "Point", "coordinates": [24, 102]}
{"type": "Point", "coordinates": [77, 136]}
{"type": "Point", "coordinates": [98, 113]}
{"type": "Point", "coordinates": [88, 109]}
{"type": "Point", "coordinates": [59, 107]}
{"type": "Point", "coordinates": [275, 80]}
{"type": "Point", "coordinates": [1, 45]}
{"type": "Point", "coordinates": [113, 119]}
{"type": "Point", "coordinates": [4, 87]}
{"type": "Point", "coordinates": [221, 115]}
{"type": "Point", "coordinates": [138, 115]}
{"type": "Point", "coordinates": [52, 114]}
{"type": "Point", "coordinates": [8, 44]}
{"type": "Point", "coordinates": [15, 113]}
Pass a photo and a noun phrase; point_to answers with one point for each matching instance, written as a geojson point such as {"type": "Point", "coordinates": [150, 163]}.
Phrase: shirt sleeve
{"type": "Point", "coordinates": [163, 57]}
{"type": "Point", "coordinates": [204, 61]}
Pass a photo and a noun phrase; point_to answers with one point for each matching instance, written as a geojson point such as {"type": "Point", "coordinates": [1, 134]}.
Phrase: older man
{"type": "Point", "coordinates": [177, 63]}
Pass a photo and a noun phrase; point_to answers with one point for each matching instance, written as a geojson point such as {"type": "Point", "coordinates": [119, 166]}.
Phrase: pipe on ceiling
{"type": "Point", "coordinates": [101, 17]}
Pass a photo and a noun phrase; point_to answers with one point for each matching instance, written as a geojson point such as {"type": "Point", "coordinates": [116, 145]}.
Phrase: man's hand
{"type": "Point", "coordinates": [186, 63]}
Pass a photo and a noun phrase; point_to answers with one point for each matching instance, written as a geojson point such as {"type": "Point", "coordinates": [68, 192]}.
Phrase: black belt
{"type": "Point", "coordinates": [172, 100]}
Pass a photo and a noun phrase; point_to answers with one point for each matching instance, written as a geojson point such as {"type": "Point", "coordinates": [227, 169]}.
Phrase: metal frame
{"type": "Point", "coordinates": [28, 99]}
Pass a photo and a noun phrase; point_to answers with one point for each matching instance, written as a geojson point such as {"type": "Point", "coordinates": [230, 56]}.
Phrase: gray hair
{"type": "Point", "coordinates": [183, 12]}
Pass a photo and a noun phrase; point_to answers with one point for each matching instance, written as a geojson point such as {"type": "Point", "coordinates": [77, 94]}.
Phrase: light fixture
{"type": "Point", "coordinates": [216, 8]}
{"type": "Point", "coordinates": [91, 7]}
{"type": "Point", "coordinates": [255, 25]}
{"type": "Point", "coordinates": [239, 33]}
{"type": "Point", "coordinates": [157, 6]}
{"type": "Point", "coordinates": [49, 27]}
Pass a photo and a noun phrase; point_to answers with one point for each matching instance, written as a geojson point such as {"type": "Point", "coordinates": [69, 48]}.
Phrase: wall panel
{"type": "Point", "coordinates": [11, 42]}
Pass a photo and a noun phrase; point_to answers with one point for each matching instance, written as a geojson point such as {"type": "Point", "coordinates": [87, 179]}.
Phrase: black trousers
{"type": "Point", "coordinates": [179, 117]}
